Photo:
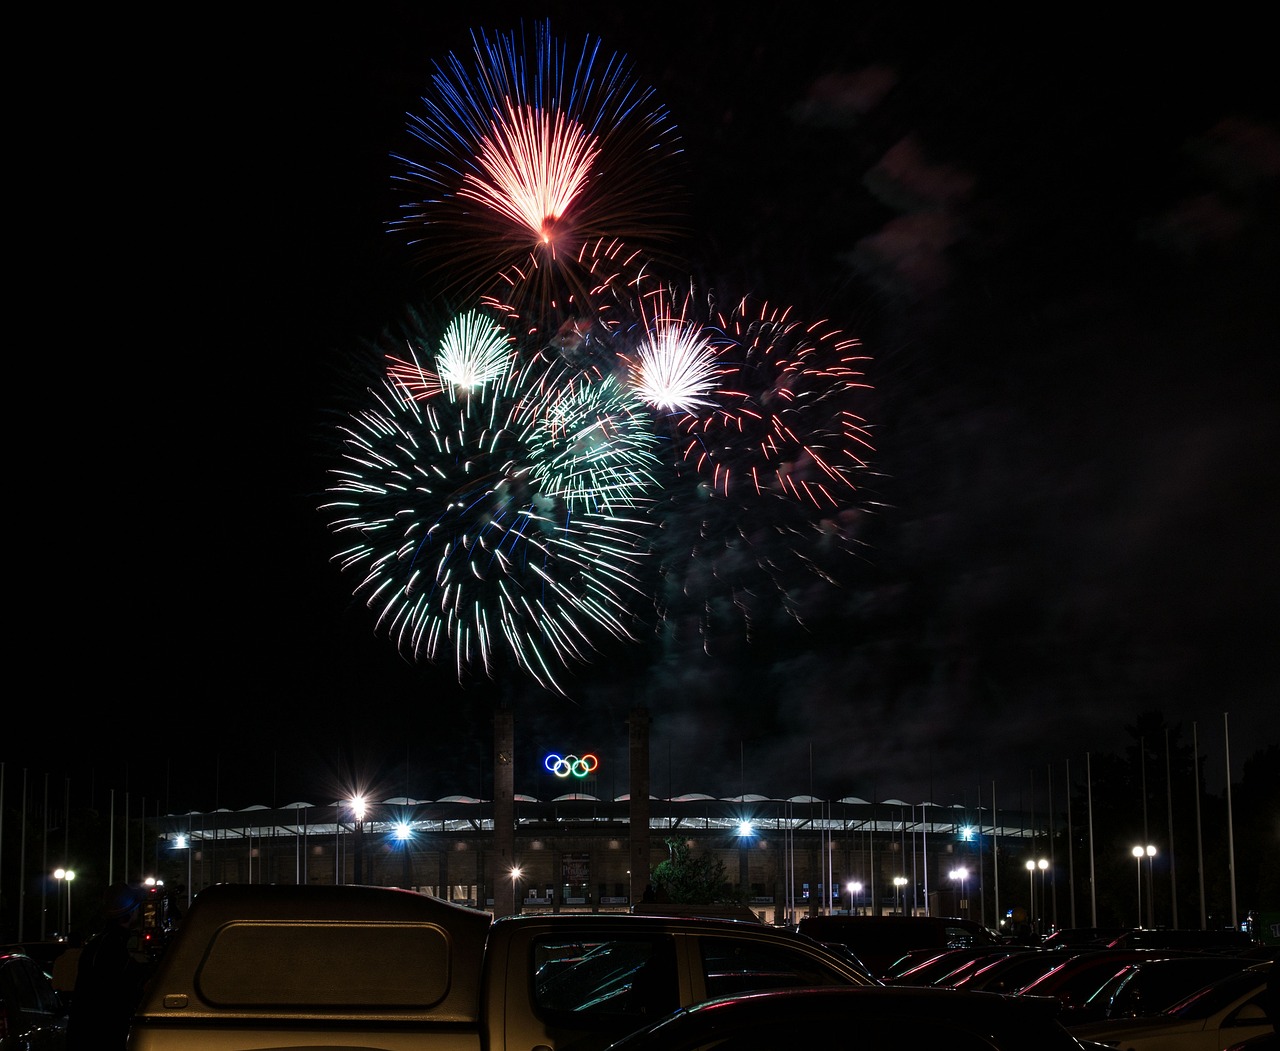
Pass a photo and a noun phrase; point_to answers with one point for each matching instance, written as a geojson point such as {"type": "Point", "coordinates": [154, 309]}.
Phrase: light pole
{"type": "Point", "coordinates": [899, 882]}
{"type": "Point", "coordinates": [64, 876]}
{"type": "Point", "coordinates": [854, 888]}
{"type": "Point", "coordinates": [962, 875]}
{"type": "Point", "coordinates": [358, 810]}
{"type": "Point", "coordinates": [1043, 865]}
{"type": "Point", "coordinates": [515, 890]}
{"type": "Point", "coordinates": [1138, 853]}
{"type": "Point", "coordinates": [1031, 890]}
{"type": "Point", "coordinates": [1151, 889]}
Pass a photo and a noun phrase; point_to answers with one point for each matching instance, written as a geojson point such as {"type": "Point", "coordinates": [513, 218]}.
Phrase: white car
{"type": "Point", "coordinates": [1231, 1010]}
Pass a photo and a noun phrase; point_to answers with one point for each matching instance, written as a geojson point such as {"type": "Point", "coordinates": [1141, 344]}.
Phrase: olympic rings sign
{"type": "Point", "coordinates": [564, 765]}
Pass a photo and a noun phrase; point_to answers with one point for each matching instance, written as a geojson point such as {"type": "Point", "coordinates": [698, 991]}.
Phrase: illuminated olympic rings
{"type": "Point", "coordinates": [564, 765]}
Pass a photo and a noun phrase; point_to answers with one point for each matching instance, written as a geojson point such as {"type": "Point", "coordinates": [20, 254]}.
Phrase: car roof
{"type": "Point", "coordinates": [630, 920]}
{"type": "Point", "coordinates": [1023, 1018]}
{"type": "Point", "coordinates": [899, 998]}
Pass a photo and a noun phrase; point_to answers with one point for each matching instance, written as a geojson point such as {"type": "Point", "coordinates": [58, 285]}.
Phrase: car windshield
{"type": "Point", "coordinates": [1213, 998]}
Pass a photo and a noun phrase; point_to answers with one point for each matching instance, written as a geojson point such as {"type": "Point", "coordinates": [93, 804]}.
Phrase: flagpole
{"type": "Point", "coordinates": [1173, 870]}
{"type": "Point", "coordinates": [1093, 885]}
{"type": "Point", "coordinates": [1231, 843]}
{"type": "Point", "coordinates": [1195, 746]}
{"type": "Point", "coordinates": [995, 851]}
{"type": "Point", "coordinates": [1071, 854]}
{"type": "Point", "coordinates": [22, 864]}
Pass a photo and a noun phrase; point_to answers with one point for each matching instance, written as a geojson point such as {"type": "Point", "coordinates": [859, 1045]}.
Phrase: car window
{"type": "Point", "coordinates": [45, 1000]}
{"type": "Point", "coordinates": [730, 966]}
{"type": "Point", "coordinates": [24, 986]}
{"type": "Point", "coordinates": [632, 977]}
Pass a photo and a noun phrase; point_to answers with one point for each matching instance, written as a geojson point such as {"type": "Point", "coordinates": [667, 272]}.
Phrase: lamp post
{"type": "Point", "coordinates": [1043, 866]}
{"type": "Point", "coordinates": [358, 807]}
{"type": "Point", "coordinates": [854, 888]}
{"type": "Point", "coordinates": [515, 890]}
{"type": "Point", "coordinates": [962, 875]}
{"type": "Point", "coordinates": [1031, 889]}
{"type": "Point", "coordinates": [64, 876]}
{"type": "Point", "coordinates": [1139, 853]}
{"type": "Point", "coordinates": [1151, 890]}
{"type": "Point", "coordinates": [899, 882]}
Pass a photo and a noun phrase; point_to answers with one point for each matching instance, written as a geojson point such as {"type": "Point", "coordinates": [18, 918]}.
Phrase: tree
{"type": "Point", "coordinates": [686, 880]}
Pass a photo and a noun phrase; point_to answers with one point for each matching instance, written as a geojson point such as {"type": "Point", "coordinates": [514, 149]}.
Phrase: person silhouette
{"type": "Point", "coordinates": [110, 977]}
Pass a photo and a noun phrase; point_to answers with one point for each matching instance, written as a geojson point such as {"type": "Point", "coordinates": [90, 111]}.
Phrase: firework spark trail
{"type": "Point", "coordinates": [524, 155]}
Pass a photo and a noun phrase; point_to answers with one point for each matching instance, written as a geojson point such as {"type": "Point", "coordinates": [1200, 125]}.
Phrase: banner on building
{"type": "Point", "coordinates": [576, 869]}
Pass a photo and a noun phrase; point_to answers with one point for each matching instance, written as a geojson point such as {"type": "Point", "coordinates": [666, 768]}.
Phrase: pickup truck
{"type": "Point", "coordinates": [256, 967]}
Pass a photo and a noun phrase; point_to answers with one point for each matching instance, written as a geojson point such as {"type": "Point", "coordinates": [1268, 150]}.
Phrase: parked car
{"type": "Point", "coordinates": [868, 1017]}
{"type": "Point", "coordinates": [878, 941]}
{"type": "Point", "coordinates": [1222, 940]}
{"type": "Point", "coordinates": [279, 965]}
{"type": "Point", "coordinates": [1080, 975]}
{"type": "Point", "coordinates": [1011, 973]}
{"type": "Point", "coordinates": [939, 968]}
{"type": "Point", "coordinates": [1231, 1010]}
{"type": "Point", "coordinates": [1148, 987]}
{"type": "Point", "coordinates": [1083, 937]}
{"type": "Point", "coordinates": [719, 911]}
{"type": "Point", "coordinates": [32, 1017]}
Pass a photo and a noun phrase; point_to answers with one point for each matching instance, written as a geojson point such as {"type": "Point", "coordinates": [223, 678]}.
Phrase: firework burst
{"type": "Point", "coordinates": [783, 424]}
{"type": "Point", "coordinates": [581, 448]}
{"type": "Point", "coordinates": [473, 351]}
{"type": "Point", "coordinates": [487, 522]}
{"type": "Point", "coordinates": [674, 366]}
{"type": "Point", "coordinates": [775, 466]}
{"type": "Point", "coordinates": [524, 155]}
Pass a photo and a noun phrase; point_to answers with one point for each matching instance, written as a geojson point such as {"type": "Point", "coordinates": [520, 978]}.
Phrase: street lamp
{"type": "Point", "coordinates": [1043, 865]}
{"type": "Point", "coordinates": [1151, 892]}
{"type": "Point", "coordinates": [962, 874]}
{"type": "Point", "coordinates": [64, 876]}
{"type": "Point", "coordinates": [899, 882]}
{"type": "Point", "coordinates": [515, 891]}
{"type": "Point", "coordinates": [358, 808]}
{"type": "Point", "coordinates": [854, 888]}
{"type": "Point", "coordinates": [1138, 854]}
{"type": "Point", "coordinates": [1031, 886]}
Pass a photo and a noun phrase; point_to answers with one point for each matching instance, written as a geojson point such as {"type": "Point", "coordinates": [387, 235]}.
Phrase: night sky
{"type": "Point", "coordinates": [1057, 245]}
